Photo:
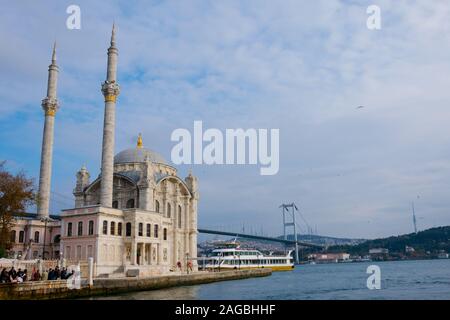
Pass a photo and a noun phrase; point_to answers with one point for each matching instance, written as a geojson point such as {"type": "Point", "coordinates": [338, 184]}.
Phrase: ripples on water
{"type": "Point", "coordinates": [400, 280]}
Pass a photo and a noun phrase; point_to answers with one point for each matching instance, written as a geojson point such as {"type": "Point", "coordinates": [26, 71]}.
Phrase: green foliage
{"type": "Point", "coordinates": [16, 193]}
{"type": "Point", "coordinates": [432, 240]}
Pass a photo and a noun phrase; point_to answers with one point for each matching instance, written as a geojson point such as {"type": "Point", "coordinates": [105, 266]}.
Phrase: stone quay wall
{"type": "Point", "coordinates": [59, 289]}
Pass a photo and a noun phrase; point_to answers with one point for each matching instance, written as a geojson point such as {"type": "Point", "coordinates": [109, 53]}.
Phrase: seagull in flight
{"type": "Point", "coordinates": [360, 107]}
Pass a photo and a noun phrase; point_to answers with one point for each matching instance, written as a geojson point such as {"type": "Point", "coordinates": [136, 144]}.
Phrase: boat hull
{"type": "Point", "coordinates": [274, 268]}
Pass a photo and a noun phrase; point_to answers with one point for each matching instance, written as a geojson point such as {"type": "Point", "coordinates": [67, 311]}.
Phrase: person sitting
{"type": "Point", "coordinates": [57, 274]}
{"type": "Point", "coordinates": [12, 275]}
{"type": "Point", "coordinates": [25, 275]}
{"type": "Point", "coordinates": [44, 276]}
{"type": "Point", "coordinates": [4, 277]}
{"type": "Point", "coordinates": [69, 274]}
{"type": "Point", "coordinates": [20, 273]}
{"type": "Point", "coordinates": [51, 274]}
{"type": "Point", "coordinates": [63, 274]}
{"type": "Point", "coordinates": [35, 275]}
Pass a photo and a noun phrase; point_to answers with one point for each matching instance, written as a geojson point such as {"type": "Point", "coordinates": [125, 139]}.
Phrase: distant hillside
{"type": "Point", "coordinates": [432, 240]}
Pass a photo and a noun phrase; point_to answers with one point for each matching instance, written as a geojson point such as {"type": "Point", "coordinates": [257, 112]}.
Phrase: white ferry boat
{"type": "Point", "coordinates": [235, 258]}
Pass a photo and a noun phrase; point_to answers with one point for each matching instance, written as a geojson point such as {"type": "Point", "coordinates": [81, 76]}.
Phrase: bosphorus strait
{"type": "Point", "coordinates": [410, 280]}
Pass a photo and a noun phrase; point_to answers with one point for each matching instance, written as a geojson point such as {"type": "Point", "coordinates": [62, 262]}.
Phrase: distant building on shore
{"type": "Point", "coordinates": [409, 249]}
{"type": "Point", "coordinates": [329, 257]}
{"type": "Point", "coordinates": [378, 253]}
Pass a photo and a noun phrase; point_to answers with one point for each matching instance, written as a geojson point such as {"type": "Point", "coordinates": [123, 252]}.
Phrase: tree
{"type": "Point", "coordinates": [16, 193]}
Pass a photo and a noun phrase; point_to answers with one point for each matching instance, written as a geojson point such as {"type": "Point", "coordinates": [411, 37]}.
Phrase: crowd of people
{"type": "Point", "coordinates": [19, 276]}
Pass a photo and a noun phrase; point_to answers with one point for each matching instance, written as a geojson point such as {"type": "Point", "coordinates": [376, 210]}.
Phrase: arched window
{"type": "Point", "coordinates": [128, 231]}
{"type": "Point", "coordinates": [115, 204]}
{"type": "Point", "coordinates": [130, 203]}
{"type": "Point", "coordinates": [105, 227]}
{"type": "Point", "coordinates": [141, 229]}
{"type": "Point", "coordinates": [179, 217]}
{"type": "Point", "coordinates": [165, 234]}
{"type": "Point", "coordinates": [13, 236]}
{"type": "Point", "coordinates": [69, 229]}
{"type": "Point", "coordinates": [80, 228]}
{"type": "Point", "coordinates": [57, 239]}
{"type": "Point", "coordinates": [148, 229]}
{"type": "Point", "coordinates": [36, 237]}
{"type": "Point", "coordinates": [113, 228]}
{"type": "Point", "coordinates": [91, 227]}
{"type": "Point", "coordinates": [155, 233]}
{"type": "Point", "coordinates": [21, 236]}
{"type": "Point", "coordinates": [157, 206]}
{"type": "Point", "coordinates": [168, 210]}
{"type": "Point", "coordinates": [119, 229]}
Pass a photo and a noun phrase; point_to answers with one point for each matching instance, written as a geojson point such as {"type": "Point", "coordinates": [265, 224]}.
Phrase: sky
{"type": "Point", "coordinates": [302, 67]}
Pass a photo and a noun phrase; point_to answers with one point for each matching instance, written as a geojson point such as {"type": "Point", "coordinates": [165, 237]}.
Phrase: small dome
{"type": "Point", "coordinates": [138, 155]}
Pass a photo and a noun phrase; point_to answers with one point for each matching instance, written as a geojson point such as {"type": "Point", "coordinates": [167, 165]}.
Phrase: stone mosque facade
{"type": "Point", "coordinates": [138, 214]}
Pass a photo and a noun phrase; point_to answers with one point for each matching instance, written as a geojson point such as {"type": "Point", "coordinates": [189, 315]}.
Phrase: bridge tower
{"type": "Point", "coordinates": [289, 221]}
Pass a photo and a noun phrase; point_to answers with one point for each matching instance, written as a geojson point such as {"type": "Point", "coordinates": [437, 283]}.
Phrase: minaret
{"type": "Point", "coordinates": [50, 106]}
{"type": "Point", "coordinates": [82, 182]}
{"type": "Point", "coordinates": [192, 183]}
{"type": "Point", "coordinates": [110, 90]}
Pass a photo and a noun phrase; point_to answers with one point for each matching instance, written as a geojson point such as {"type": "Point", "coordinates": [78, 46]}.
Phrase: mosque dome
{"type": "Point", "coordinates": [139, 154]}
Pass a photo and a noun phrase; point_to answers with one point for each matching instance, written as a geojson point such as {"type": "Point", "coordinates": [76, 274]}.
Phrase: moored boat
{"type": "Point", "coordinates": [233, 257]}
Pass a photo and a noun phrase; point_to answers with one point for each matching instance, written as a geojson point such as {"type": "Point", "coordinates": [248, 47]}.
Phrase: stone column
{"type": "Point", "coordinates": [186, 225]}
{"type": "Point", "coordinates": [50, 106]}
{"type": "Point", "coordinates": [124, 255]}
{"type": "Point", "coordinates": [150, 256]}
{"type": "Point", "coordinates": [193, 233]}
{"type": "Point", "coordinates": [160, 254]}
{"type": "Point", "coordinates": [110, 90]}
{"type": "Point", "coordinates": [133, 253]}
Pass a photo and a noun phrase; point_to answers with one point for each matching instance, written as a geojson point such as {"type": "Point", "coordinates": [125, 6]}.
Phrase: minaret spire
{"type": "Point", "coordinates": [50, 106]}
{"type": "Point", "coordinates": [113, 35]}
{"type": "Point", "coordinates": [54, 54]}
{"type": "Point", "coordinates": [110, 90]}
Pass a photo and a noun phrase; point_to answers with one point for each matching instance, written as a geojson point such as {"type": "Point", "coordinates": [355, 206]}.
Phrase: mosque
{"type": "Point", "coordinates": [138, 214]}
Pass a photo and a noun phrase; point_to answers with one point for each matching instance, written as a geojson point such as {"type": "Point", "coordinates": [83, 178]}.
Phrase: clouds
{"type": "Point", "coordinates": [302, 67]}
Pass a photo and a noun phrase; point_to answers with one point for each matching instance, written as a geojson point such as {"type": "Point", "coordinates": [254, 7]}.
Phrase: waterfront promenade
{"type": "Point", "coordinates": [60, 289]}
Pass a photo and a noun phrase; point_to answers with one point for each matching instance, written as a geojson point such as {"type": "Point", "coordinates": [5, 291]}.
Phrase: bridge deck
{"type": "Point", "coordinates": [249, 236]}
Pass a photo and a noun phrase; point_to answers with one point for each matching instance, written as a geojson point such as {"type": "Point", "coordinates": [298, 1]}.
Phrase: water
{"type": "Point", "coordinates": [400, 280]}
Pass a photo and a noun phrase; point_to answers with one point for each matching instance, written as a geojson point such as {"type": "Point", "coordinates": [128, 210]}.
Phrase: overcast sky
{"type": "Point", "coordinates": [300, 66]}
